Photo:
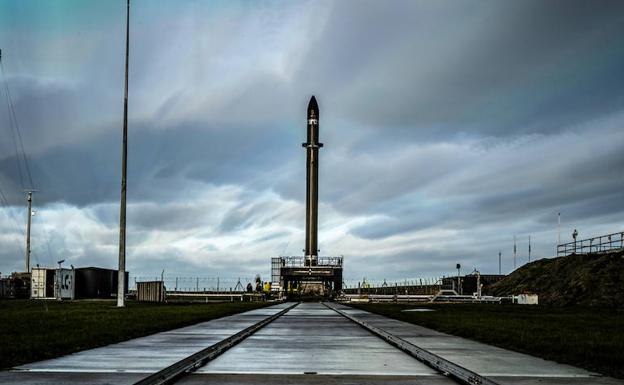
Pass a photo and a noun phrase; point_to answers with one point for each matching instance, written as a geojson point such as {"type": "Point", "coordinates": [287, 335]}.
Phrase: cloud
{"type": "Point", "coordinates": [448, 128]}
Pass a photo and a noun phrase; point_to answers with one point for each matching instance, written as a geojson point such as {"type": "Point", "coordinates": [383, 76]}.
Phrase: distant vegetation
{"type": "Point", "coordinates": [589, 280]}
{"type": "Point", "coordinates": [36, 330]}
{"type": "Point", "coordinates": [592, 338]}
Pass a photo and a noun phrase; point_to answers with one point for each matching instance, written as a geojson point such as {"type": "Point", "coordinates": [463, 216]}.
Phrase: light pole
{"type": "Point", "coordinates": [458, 267]}
{"type": "Point", "coordinates": [558, 228]}
{"type": "Point", "coordinates": [499, 262]}
{"type": "Point", "coordinates": [121, 275]}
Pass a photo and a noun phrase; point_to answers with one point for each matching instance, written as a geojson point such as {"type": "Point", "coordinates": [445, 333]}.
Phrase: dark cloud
{"type": "Point", "coordinates": [442, 68]}
{"type": "Point", "coordinates": [449, 126]}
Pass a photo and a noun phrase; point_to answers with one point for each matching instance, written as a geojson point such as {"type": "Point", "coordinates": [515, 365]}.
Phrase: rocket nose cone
{"type": "Point", "coordinates": [313, 108]}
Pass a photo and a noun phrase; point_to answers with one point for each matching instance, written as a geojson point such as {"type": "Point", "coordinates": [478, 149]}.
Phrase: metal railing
{"type": "Point", "coordinates": [321, 261]}
{"type": "Point", "coordinates": [598, 244]}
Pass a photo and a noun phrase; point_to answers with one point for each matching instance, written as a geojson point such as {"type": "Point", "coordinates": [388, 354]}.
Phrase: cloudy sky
{"type": "Point", "coordinates": [449, 127]}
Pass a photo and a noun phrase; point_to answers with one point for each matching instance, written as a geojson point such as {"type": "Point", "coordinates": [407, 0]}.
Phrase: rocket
{"type": "Point", "coordinates": [312, 149]}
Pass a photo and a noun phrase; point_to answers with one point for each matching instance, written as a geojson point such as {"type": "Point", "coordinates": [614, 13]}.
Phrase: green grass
{"type": "Point", "coordinates": [592, 338]}
{"type": "Point", "coordinates": [36, 330]}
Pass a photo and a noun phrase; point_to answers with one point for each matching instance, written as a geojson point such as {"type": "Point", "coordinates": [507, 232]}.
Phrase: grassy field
{"type": "Point", "coordinates": [586, 337]}
{"type": "Point", "coordinates": [36, 330]}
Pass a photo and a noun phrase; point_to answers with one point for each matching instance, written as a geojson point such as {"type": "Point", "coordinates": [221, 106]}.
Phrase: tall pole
{"type": "Point", "coordinates": [121, 276]}
{"type": "Point", "coordinates": [28, 231]}
{"type": "Point", "coordinates": [514, 257]}
{"type": "Point", "coordinates": [529, 248]}
{"type": "Point", "coordinates": [499, 262]}
{"type": "Point", "coordinates": [558, 232]}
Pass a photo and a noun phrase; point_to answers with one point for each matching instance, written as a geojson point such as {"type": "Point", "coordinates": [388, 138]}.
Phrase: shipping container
{"type": "Point", "coordinates": [48, 282]}
{"type": "Point", "coordinates": [42, 282]}
{"type": "Point", "coordinates": [151, 291]}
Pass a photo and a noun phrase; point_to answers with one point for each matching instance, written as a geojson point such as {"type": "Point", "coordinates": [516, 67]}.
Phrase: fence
{"type": "Point", "coordinates": [198, 284]}
{"type": "Point", "coordinates": [424, 286]}
{"type": "Point", "coordinates": [598, 244]}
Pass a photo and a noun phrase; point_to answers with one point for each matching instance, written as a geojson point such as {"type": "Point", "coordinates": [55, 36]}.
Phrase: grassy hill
{"type": "Point", "coordinates": [578, 279]}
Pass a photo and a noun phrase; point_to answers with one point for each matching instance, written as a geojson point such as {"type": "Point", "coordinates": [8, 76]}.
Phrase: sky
{"type": "Point", "coordinates": [449, 128]}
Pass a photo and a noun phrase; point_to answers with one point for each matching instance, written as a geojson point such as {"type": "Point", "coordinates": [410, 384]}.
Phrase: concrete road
{"type": "Point", "coordinates": [308, 345]}
{"type": "Point", "coordinates": [316, 340]}
{"type": "Point", "coordinates": [129, 361]}
{"type": "Point", "coordinates": [501, 365]}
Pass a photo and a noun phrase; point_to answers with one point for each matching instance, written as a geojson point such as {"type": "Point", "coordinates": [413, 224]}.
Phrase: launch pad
{"type": "Point", "coordinates": [296, 277]}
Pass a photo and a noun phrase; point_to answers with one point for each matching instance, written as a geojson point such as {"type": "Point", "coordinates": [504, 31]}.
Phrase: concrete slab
{"type": "Point", "coordinates": [304, 379]}
{"type": "Point", "coordinates": [505, 366]}
{"type": "Point", "coordinates": [314, 339]}
{"type": "Point", "coordinates": [152, 353]}
{"type": "Point", "coordinates": [308, 345]}
{"type": "Point", "coordinates": [70, 378]}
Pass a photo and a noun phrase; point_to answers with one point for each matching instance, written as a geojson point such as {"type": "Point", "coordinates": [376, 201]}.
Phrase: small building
{"type": "Point", "coordinates": [96, 282]}
{"type": "Point", "coordinates": [468, 283]}
{"type": "Point", "coordinates": [151, 291]}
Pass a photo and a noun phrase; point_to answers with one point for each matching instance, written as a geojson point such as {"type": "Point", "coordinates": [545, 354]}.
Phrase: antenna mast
{"type": "Point", "coordinates": [514, 257]}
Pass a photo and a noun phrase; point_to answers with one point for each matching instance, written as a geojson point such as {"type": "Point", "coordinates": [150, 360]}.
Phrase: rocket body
{"type": "Point", "coordinates": [312, 149]}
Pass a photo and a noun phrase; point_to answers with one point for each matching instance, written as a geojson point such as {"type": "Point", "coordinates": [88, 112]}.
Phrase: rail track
{"type": "Point", "coordinates": [172, 373]}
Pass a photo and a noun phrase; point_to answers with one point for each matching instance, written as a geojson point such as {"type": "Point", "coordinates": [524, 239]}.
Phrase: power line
{"type": "Point", "coordinates": [15, 129]}
{"type": "Point", "coordinates": [5, 203]}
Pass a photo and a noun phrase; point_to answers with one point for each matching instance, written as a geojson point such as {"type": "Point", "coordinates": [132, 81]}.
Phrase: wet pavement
{"type": "Point", "coordinates": [501, 365]}
{"type": "Point", "coordinates": [314, 339]}
{"type": "Point", "coordinates": [310, 344]}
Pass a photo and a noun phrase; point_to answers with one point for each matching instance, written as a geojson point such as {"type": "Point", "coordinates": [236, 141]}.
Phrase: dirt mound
{"type": "Point", "coordinates": [578, 279]}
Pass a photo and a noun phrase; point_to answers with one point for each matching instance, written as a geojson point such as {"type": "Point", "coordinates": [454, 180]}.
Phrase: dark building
{"type": "Point", "coordinates": [17, 285]}
{"type": "Point", "coordinates": [96, 282]}
{"type": "Point", "coordinates": [468, 283]}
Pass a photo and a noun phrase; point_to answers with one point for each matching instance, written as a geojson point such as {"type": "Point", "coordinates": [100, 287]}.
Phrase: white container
{"type": "Point", "coordinates": [65, 284]}
{"type": "Point", "coordinates": [52, 283]}
{"type": "Point", "coordinates": [40, 283]}
{"type": "Point", "coordinates": [526, 299]}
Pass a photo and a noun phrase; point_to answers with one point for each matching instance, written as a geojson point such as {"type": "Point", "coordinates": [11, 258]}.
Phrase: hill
{"type": "Point", "coordinates": [578, 279]}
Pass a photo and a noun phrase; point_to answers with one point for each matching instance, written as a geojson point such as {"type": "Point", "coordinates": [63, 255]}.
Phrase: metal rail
{"type": "Point", "coordinates": [599, 244]}
{"type": "Point", "coordinates": [446, 367]}
{"type": "Point", "coordinates": [196, 360]}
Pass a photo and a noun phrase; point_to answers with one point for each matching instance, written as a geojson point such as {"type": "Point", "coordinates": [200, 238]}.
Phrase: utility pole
{"type": "Point", "coordinates": [514, 257]}
{"type": "Point", "coordinates": [30, 193]}
{"type": "Point", "coordinates": [121, 276]}
{"type": "Point", "coordinates": [499, 262]}
{"type": "Point", "coordinates": [529, 248]}
{"type": "Point", "coordinates": [28, 231]}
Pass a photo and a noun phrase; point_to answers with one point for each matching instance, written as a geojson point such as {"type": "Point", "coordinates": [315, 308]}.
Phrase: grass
{"type": "Point", "coordinates": [36, 330]}
{"type": "Point", "coordinates": [592, 338]}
